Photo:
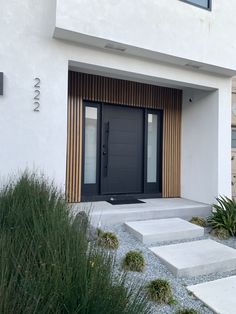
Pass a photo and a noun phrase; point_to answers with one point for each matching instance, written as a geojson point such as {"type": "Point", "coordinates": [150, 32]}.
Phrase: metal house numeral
{"type": "Point", "coordinates": [37, 94]}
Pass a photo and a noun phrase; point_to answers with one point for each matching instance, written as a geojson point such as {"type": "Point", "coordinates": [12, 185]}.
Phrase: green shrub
{"type": "Point", "coordinates": [220, 233]}
{"type": "Point", "coordinates": [187, 311]}
{"type": "Point", "coordinates": [47, 266]}
{"type": "Point", "coordinates": [160, 291]}
{"type": "Point", "coordinates": [224, 215]}
{"type": "Point", "coordinates": [134, 261]}
{"type": "Point", "coordinates": [200, 221]}
{"type": "Point", "coordinates": [108, 240]}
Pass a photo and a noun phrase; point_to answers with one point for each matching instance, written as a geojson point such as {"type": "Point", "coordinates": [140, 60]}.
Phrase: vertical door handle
{"type": "Point", "coordinates": [106, 148]}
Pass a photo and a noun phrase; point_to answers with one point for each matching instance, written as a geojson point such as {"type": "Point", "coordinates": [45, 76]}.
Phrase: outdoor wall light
{"type": "Point", "coordinates": [115, 47]}
{"type": "Point", "coordinates": [1, 83]}
{"type": "Point", "coordinates": [193, 66]}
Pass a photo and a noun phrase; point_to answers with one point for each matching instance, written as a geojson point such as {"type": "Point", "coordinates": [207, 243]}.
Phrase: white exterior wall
{"type": "Point", "coordinates": [38, 140]}
{"type": "Point", "coordinates": [224, 140]}
{"type": "Point", "coordinates": [205, 144]}
{"type": "Point", "coordinates": [171, 28]}
{"type": "Point", "coordinates": [27, 138]}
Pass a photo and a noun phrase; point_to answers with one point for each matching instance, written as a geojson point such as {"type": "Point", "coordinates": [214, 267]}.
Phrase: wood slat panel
{"type": "Point", "coordinates": [97, 88]}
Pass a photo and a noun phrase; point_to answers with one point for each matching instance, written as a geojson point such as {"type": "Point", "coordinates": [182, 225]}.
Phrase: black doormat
{"type": "Point", "coordinates": [124, 202]}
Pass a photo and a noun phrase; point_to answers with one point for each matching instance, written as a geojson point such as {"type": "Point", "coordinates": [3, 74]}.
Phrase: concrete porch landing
{"type": "Point", "coordinates": [103, 213]}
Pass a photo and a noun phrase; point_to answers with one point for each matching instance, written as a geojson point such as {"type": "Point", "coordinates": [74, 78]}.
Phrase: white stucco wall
{"type": "Point", "coordinates": [169, 27]}
{"type": "Point", "coordinates": [27, 138]}
{"type": "Point", "coordinates": [39, 139]}
{"type": "Point", "coordinates": [205, 145]}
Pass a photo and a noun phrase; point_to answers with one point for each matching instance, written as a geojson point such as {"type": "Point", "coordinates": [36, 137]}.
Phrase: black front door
{"type": "Point", "coordinates": [122, 150]}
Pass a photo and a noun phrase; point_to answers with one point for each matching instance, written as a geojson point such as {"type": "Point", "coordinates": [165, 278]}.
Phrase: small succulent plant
{"type": "Point", "coordinates": [200, 221]}
{"type": "Point", "coordinates": [220, 233]}
{"type": "Point", "coordinates": [134, 261]}
{"type": "Point", "coordinates": [108, 240]}
{"type": "Point", "coordinates": [160, 291]}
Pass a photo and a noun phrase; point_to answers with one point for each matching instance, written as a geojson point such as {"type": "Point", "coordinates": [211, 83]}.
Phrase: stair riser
{"type": "Point", "coordinates": [112, 218]}
{"type": "Point", "coordinates": [173, 237]}
{"type": "Point", "coordinates": [202, 269]}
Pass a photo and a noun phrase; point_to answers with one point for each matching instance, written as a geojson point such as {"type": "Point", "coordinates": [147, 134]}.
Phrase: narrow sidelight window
{"type": "Point", "coordinates": [90, 162]}
{"type": "Point", "coordinates": [152, 149]}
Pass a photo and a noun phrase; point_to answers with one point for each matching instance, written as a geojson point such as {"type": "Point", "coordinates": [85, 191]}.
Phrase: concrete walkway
{"type": "Point", "coordinates": [192, 258]}
{"type": "Point", "coordinates": [218, 295]}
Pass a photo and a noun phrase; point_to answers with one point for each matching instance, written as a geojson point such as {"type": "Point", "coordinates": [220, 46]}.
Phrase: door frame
{"type": "Point", "coordinates": [92, 192]}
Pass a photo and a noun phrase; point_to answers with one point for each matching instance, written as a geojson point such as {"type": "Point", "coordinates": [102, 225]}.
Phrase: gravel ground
{"type": "Point", "coordinates": [155, 269]}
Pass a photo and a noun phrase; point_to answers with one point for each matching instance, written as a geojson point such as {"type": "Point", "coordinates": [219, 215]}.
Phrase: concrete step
{"type": "Point", "coordinates": [103, 213]}
{"type": "Point", "coordinates": [218, 295]}
{"type": "Point", "coordinates": [196, 258]}
{"type": "Point", "coordinates": [159, 230]}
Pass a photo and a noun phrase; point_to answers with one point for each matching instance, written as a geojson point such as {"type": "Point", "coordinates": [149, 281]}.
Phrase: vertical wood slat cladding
{"type": "Point", "coordinates": [103, 89]}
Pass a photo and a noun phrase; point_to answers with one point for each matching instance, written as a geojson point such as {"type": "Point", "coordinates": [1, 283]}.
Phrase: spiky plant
{"type": "Point", "coordinates": [134, 261]}
{"type": "Point", "coordinates": [160, 291]}
{"type": "Point", "coordinates": [108, 240]}
{"type": "Point", "coordinates": [220, 233]}
{"type": "Point", "coordinates": [47, 265]}
{"type": "Point", "coordinates": [223, 215]}
{"type": "Point", "coordinates": [200, 221]}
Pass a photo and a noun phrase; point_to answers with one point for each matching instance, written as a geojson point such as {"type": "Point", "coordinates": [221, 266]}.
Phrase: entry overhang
{"type": "Point", "coordinates": [102, 43]}
{"type": "Point", "coordinates": [177, 34]}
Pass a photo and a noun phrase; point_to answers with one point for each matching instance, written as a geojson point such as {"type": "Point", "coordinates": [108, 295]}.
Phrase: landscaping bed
{"type": "Point", "coordinates": [53, 263]}
{"type": "Point", "coordinates": [47, 264]}
{"type": "Point", "coordinates": [154, 269]}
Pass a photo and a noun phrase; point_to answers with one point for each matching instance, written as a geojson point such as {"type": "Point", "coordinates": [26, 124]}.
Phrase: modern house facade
{"type": "Point", "coordinates": [113, 98]}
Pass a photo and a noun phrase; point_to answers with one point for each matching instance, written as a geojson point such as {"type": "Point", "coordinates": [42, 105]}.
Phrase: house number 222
{"type": "Point", "coordinates": [37, 94]}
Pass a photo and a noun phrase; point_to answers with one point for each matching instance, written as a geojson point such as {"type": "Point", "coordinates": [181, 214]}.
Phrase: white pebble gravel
{"type": "Point", "coordinates": [155, 269]}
